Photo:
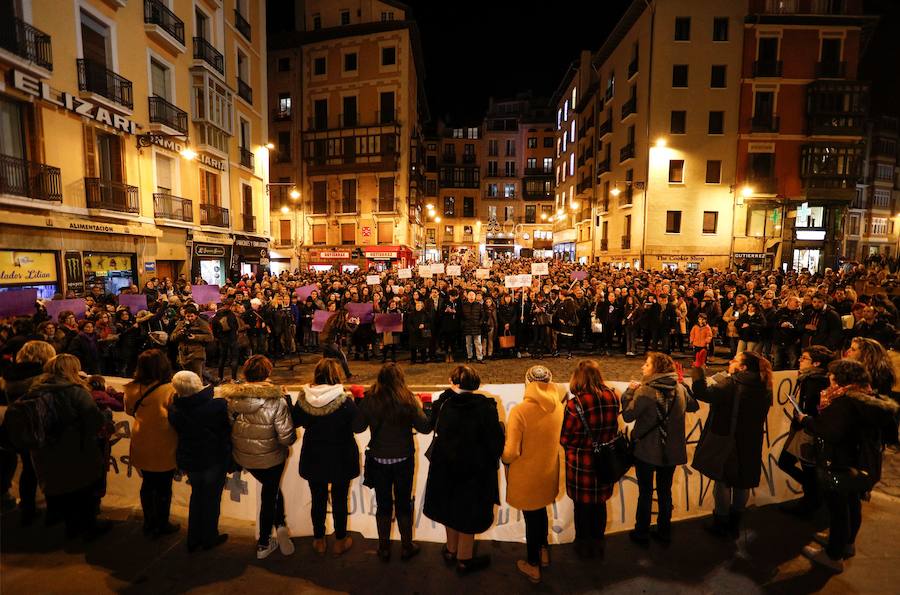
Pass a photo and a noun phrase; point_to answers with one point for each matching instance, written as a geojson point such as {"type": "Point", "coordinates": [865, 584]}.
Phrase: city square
{"type": "Point", "coordinates": [389, 297]}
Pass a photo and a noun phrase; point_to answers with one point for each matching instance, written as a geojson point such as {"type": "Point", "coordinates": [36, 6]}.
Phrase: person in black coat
{"type": "Point", "coordinates": [507, 319]}
{"type": "Point", "coordinates": [204, 452]}
{"type": "Point", "coordinates": [786, 331]}
{"type": "Point", "coordinates": [225, 327]}
{"type": "Point", "coordinates": [86, 348]}
{"type": "Point", "coordinates": [821, 325]}
{"type": "Point", "coordinates": [749, 387]}
{"type": "Point", "coordinates": [471, 314]}
{"type": "Point", "coordinates": [419, 329]}
{"type": "Point", "coordinates": [661, 322]}
{"type": "Point", "coordinates": [750, 325]}
{"type": "Point", "coordinates": [462, 490]}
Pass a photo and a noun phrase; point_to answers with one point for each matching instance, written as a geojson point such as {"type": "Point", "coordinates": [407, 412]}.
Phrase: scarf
{"type": "Point", "coordinates": [833, 392]}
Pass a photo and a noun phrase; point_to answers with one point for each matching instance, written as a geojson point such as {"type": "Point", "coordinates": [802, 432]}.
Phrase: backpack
{"type": "Point", "coordinates": [33, 421]}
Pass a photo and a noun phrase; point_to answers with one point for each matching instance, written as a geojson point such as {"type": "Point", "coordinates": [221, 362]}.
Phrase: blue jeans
{"type": "Point", "coordinates": [206, 499]}
{"type": "Point", "coordinates": [476, 340]}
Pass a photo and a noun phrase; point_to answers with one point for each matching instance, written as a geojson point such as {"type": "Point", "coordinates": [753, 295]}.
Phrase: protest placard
{"type": "Point", "coordinates": [389, 323]}
{"type": "Point", "coordinates": [539, 268]}
{"type": "Point", "coordinates": [134, 302]}
{"type": "Point", "coordinates": [437, 268]}
{"type": "Point", "coordinates": [363, 311]}
{"type": "Point", "coordinates": [404, 273]}
{"type": "Point", "coordinates": [373, 279]}
{"type": "Point", "coordinates": [482, 273]}
{"type": "Point", "coordinates": [306, 291]}
{"type": "Point", "coordinates": [206, 294]}
{"type": "Point", "coordinates": [17, 302]}
{"type": "Point", "coordinates": [514, 281]}
{"type": "Point", "coordinates": [454, 270]}
{"type": "Point", "coordinates": [578, 275]}
{"type": "Point", "coordinates": [54, 307]}
{"type": "Point", "coordinates": [320, 317]}
{"type": "Point", "coordinates": [425, 270]}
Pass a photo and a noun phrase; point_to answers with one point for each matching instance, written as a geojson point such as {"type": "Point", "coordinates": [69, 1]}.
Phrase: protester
{"type": "Point", "coordinates": [192, 334]}
{"type": "Point", "coordinates": [874, 358]}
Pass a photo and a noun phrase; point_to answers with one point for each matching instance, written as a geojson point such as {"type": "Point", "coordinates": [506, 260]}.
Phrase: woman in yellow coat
{"type": "Point", "coordinates": [153, 440]}
{"type": "Point", "coordinates": [533, 455]}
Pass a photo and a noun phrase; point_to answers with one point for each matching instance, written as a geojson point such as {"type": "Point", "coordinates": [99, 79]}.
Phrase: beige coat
{"type": "Point", "coordinates": [532, 448]}
{"type": "Point", "coordinates": [153, 440]}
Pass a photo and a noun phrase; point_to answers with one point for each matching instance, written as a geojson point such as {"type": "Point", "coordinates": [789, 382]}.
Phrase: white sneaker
{"type": "Point", "coordinates": [819, 556]}
{"type": "Point", "coordinates": [263, 551]}
{"type": "Point", "coordinates": [283, 537]}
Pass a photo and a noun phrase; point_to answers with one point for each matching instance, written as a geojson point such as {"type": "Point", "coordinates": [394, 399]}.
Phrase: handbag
{"type": "Point", "coordinates": [843, 481]}
{"type": "Point", "coordinates": [507, 340]}
{"type": "Point", "coordinates": [370, 470]}
{"type": "Point", "coordinates": [713, 450]}
{"type": "Point", "coordinates": [596, 325]}
{"type": "Point", "coordinates": [612, 459]}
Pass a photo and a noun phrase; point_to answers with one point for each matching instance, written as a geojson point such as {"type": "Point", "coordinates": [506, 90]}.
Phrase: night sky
{"type": "Point", "coordinates": [475, 49]}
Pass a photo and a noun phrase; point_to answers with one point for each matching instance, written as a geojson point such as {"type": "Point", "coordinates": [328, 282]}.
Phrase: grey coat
{"type": "Point", "coordinates": [262, 429]}
{"type": "Point", "coordinates": [640, 406]}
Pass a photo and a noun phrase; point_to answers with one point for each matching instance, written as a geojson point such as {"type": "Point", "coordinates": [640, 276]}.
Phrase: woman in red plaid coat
{"type": "Point", "coordinates": [601, 408]}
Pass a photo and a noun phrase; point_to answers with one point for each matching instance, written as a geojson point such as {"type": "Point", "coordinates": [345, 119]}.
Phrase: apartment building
{"type": "Point", "coordinates": [132, 142]}
{"type": "Point", "coordinates": [346, 99]}
{"type": "Point", "coordinates": [802, 133]}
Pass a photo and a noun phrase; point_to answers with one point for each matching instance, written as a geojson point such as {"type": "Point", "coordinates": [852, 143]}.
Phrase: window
{"type": "Point", "coordinates": [320, 114]}
{"type": "Point", "coordinates": [316, 25]}
{"type": "Point", "coordinates": [284, 64]}
{"type": "Point", "coordinates": [319, 66]}
{"type": "Point", "coordinates": [385, 232]}
{"type": "Point", "coordinates": [548, 165]}
{"type": "Point", "coordinates": [388, 56]}
{"type": "Point", "coordinates": [493, 148]}
{"type": "Point", "coordinates": [682, 28]}
{"type": "Point", "coordinates": [611, 85]}
{"type": "Point", "coordinates": [350, 62]}
{"type": "Point", "coordinates": [881, 198]}
{"type": "Point", "coordinates": [510, 169]}
{"type": "Point", "coordinates": [348, 234]}
{"type": "Point", "coordinates": [386, 194]}
{"type": "Point", "coordinates": [345, 17]}
{"type": "Point", "coordinates": [678, 122]}
{"type": "Point", "coordinates": [320, 199]}
{"type": "Point", "coordinates": [676, 171]}
{"type": "Point", "coordinates": [492, 190]}
{"type": "Point", "coordinates": [96, 46]}
{"type": "Point", "coordinates": [468, 206]}
{"type": "Point", "coordinates": [854, 225]}
{"type": "Point", "coordinates": [510, 148]}
{"type": "Point", "coordinates": [626, 228]}
{"type": "Point", "coordinates": [243, 67]}
{"type": "Point", "coordinates": [448, 232]}
{"type": "Point", "coordinates": [680, 75]}
{"type": "Point", "coordinates": [879, 226]}
{"type": "Point", "coordinates": [387, 16]}
{"type": "Point", "coordinates": [673, 221]}
{"type": "Point", "coordinates": [284, 104]}
{"type": "Point", "coordinates": [160, 80]}
{"type": "Point", "coordinates": [492, 168]}
{"type": "Point", "coordinates": [530, 214]}
{"type": "Point", "coordinates": [717, 76]}
{"type": "Point", "coordinates": [209, 187]}
{"type": "Point", "coordinates": [509, 190]}
{"type": "Point", "coordinates": [548, 142]}
{"type": "Point", "coordinates": [509, 213]}
{"type": "Point", "coordinates": [284, 146]}
{"type": "Point", "coordinates": [720, 29]}
{"type": "Point", "coordinates": [386, 105]}
{"type": "Point", "coordinates": [716, 123]}
{"type": "Point", "coordinates": [710, 221]}
{"type": "Point", "coordinates": [884, 172]}
{"type": "Point", "coordinates": [348, 197]}
{"type": "Point", "coordinates": [532, 142]}
{"type": "Point", "coordinates": [713, 171]}
{"type": "Point", "coordinates": [164, 168]}
{"type": "Point", "coordinates": [449, 206]}
{"type": "Point", "coordinates": [319, 233]}
{"type": "Point", "coordinates": [492, 212]}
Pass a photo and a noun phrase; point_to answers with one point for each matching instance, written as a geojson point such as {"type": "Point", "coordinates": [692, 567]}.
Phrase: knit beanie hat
{"type": "Point", "coordinates": [538, 374]}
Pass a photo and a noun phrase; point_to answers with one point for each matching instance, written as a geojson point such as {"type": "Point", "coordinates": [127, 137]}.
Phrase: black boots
{"type": "Point", "coordinates": [383, 523]}
{"type": "Point", "coordinates": [408, 548]}
{"type": "Point", "coordinates": [726, 527]}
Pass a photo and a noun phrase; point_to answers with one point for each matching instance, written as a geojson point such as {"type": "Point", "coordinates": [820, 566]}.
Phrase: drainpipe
{"type": "Point", "coordinates": [650, 4]}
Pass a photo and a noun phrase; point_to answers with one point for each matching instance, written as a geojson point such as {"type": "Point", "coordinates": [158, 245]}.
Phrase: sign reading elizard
{"type": "Point", "coordinates": [38, 88]}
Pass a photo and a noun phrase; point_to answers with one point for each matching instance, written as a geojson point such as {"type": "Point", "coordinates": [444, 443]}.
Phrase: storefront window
{"type": "Point", "coordinates": [29, 270]}
{"type": "Point", "coordinates": [110, 270]}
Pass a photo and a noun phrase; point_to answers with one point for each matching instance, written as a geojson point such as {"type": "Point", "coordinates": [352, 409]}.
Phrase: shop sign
{"type": "Point", "coordinates": [101, 265]}
{"type": "Point", "coordinates": [250, 242]}
{"type": "Point", "coordinates": [334, 255]}
{"type": "Point", "coordinates": [149, 266]}
{"type": "Point", "coordinates": [27, 268]}
{"type": "Point", "coordinates": [751, 255]}
{"type": "Point", "coordinates": [38, 88]}
{"type": "Point", "coordinates": [381, 255]}
{"type": "Point", "coordinates": [211, 161]}
{"type": "Point", "coordinates": [209, 251]}
{"type": "Point", "coordinates": [74, 272]}
{"type": "Point", "coordinates": [679, 257]}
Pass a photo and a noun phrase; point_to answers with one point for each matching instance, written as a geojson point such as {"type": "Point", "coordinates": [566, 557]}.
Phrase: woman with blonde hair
{"type": "Point", "coordinates": [874, 357]}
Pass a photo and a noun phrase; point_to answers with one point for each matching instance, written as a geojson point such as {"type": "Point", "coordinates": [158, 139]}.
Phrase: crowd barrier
{"type": "Point", "coordinates": [692, 493]}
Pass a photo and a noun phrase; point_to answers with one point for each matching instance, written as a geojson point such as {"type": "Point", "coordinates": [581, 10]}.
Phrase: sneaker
{"type": "Point", "coordinates": [283, 538]}
{"type": "Point", "coordinates": [819, 556]}
{"type": "Point", "coordinates": [532, 573]}
{"type": "Point", "coordinates": [822, 539]}
{"type": "Point", "coordinates": [263, 550]}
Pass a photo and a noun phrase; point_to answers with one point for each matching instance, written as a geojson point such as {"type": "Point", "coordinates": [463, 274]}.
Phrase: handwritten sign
{"type": "Point", "coordinates": [454, 270]}
{"type": "Point", "coordinates": [513, 281]}
{"type": "Point", "coordinates": [373, 279]}
{"type": "Point", "coordinates": [482, 273]}
{"type": "Point", "coordinates": [539, 268]}
{"type": "Point", "coordinates": [437, 268]}
{"type": "Point", "coordinates": [389, 323]}
{"type": "Point", "coordinates": [425, 270]}
{"type": "Point", "coordinates": [404, 273]}
{"type": "Point", "coordinates": [578, 275]}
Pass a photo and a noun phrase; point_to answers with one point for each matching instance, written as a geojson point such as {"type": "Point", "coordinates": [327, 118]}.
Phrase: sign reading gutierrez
{"type": "Point", "coordinates": [38, 88]}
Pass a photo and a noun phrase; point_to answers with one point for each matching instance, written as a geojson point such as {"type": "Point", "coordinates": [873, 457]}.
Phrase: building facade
{"type": "Point", "coordinates": [126, 158]}
{"type": "Point", "coordinates": [346, 100]}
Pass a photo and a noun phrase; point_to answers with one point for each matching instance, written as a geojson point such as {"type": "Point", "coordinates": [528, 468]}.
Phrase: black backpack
{"type": "Point", "coordinates": [33, 421]}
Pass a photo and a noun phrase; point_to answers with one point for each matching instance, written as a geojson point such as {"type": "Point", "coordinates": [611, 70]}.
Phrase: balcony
{"type": "Point", "coordinates": [833, 166]}
{"type": "Point", "coordinates": [241, 24]}
{"type": "Point", "coordinates": [204, 51]}
{"type": "Point", "coordinates": [27, 42]}
{"type": "Point", "coordinates": [94, 77]}
{"type": "Point", "coordinates": [29, 179]}
{"type": "Point", "coordinates": [214, 215]}
{"type": "Point", "coordinates": [626, 197]}
{"type": "Point", "coordinates": [385, 205]}
{"type": "Point", "coordinates": [111, 195]}
{"type": "Point", "coordinates": [629, 107]}
{"type": "Point", "coordinates": [837, 107]}
{"type": "Point", "coordinates": [604, 244]}
{"type": "Point", "coordinates": [605, 128]}
{"type": "Point", "coordinates": [603, 167]}
{"type": "Point", "coordinates": [584, 185]}
{"type": "Point", "coordinates": [626, 242]}
{"type": "Point", "coordinates": [245, 92]}
{"type": "Point", "coordinates": [767, 68]}
{"type": "Point", "coordinates": [167, 114]}
{"type": "Point", "coordinates": [764, 123]}
{"type": "Point", "coordinates": [358, 150]}
{"type": "Point", "coordinates": [632, 68]}
{"type": "Point", "coordinates": [249, 222]}
{"type": "Point", "coordinates": [246, 157]}
{"type": "Point", "coordinates": [284, 242]}
{"type": "Point", "coordinates": [603, 207]}
{"type": "Point", "coordinates": [281, 115]}
{"type": "Point", "coordinates": [626, 152]}
{"type": "Point", "coordinates": [469, 159]}
{"type": "Point", "coordinates": [160, 22]}
{"type": "Point", "coordinates": [831, 70]}
{"type": "Point", "coordinates": [532, 195]}
{"type": "Point", "coordinates": [167, 206]}
{"type": "Point", "coordinates": [762, 183]}
{"type": "Point", "coordinates": [348, 206]}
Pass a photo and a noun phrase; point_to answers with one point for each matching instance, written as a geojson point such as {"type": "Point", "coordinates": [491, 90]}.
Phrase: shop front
{"type": "Point", "coordinates": [250, 255]}
{"type": "Point", "coordinates": [111, 270]}
{"type": "Point", "coordinates": [753, 261]}
{"type": "Point", "coordinates": [28, 269]}
{"type": "Point", "coordinates": [171, 255]}
{"type": "Point", "coordinates": [323, 261]}
{"type": "Point", "coordinates": [209, 262]}
{"type": "Point", "coordinates": [564, 251]}
{"type": "Point", "coordinates": [691, 262]}
{"type": "Point", "coordinates": [382, 258]}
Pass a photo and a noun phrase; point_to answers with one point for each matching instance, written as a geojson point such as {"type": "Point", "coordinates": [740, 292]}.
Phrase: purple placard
{"type": "Point", "coordinates": [389, 323]}
{"type": "Point", "coordinates": [206, 294]}
{"type": "Point", "coordinates": [54, 307]}
{"type": "Point", "coordinates": [362, 311]}
{"type": "Point", "coordinates": [135, 303]}
{"type": "Point", "coordinates": [320, 317]}
{"type": "Point", "coordinates": [578, 275]}
{"type": "Point", "coordinates": [305, 291]}
{"type": "Point", "coordinates": [18, 302]}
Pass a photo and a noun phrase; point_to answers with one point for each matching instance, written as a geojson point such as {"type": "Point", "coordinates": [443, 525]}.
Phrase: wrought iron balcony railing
{"type": "Point", "coordinates": [214, 215]}
{"type": "Point", "coordinates": [168, 206]}
{"type": "Point", "coordinates": [203, 50]}
{"type": "Point", "coordinates": [27, 178]}
{"type": "Point", "coordinates": [163, 112]}
{"type": "Point", "coordinates": [157, 13]}
{"type": "Point", "coordinates": [26, 41]}
{"type": "Point", "coordinates": [111, 195]}
{"type": "Point", "coordinates": [94, 77]}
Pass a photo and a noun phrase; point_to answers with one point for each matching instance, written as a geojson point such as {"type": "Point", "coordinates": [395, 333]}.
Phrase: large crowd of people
{"type": "Point", "coordinates": [838, 328]}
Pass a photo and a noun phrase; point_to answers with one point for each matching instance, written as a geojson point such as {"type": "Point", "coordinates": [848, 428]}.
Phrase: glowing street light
{"type": "Point", "coordinates": [746, 191]}
{"type": "Point", "coordinates": [270, 146]}
{"type": "Point", "coordinates": [615, 191]}
{"type": "Point", "coordinates": [188, 153]}
{"type": "Point", "coordinates": [285, 210]}
{"type": "Point", "coordinates": [295, 194]}
{"type": "Point", "coordinates": [660, 143]}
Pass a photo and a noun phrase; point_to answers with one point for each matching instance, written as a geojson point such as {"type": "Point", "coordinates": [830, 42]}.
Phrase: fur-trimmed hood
{"type": "Point", "coordinates": [322, 399]}
{"type": "Point", "coordinates": [250, 396]}
{"type": "Point", "coordinates": [875, 409]}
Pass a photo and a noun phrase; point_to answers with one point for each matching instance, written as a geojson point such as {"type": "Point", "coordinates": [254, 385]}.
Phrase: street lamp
{"type": "Point", "coordinates": [295, 194]}
{"type": "Point", "coordinates": [270, 146]}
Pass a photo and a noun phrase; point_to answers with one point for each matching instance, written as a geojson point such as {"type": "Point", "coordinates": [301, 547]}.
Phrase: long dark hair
{"type": "Point", "coordinates": [389, 399]}
{"type": "Point", "coordinates": [757, 364]}
{"type": "Point", "coordinates": [152, 366]}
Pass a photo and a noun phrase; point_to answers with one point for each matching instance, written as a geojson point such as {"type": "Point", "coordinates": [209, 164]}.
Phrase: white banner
{"type": "Point", "coordinates": [404, 274]}
{"type": "Point", "coordinates": [373, 279]}
{"type": "Point", "coordinates": [513, 281]}
{"type": "Point", "coordinates": [454, 270]}
{"type": "Point", "coordinates": [691, 492]}
{"type": "Point", "coordinates": [425, 270]}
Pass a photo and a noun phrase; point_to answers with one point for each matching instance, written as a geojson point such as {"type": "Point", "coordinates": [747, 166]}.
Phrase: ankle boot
{"type": "Point", "coordinates": [409, 547]}
{"type": "Point", "coordinates": [734, 523]}
{"type": "Point", "coordinates": [148, 504]}
{"type": "Point", "coordinates": [719, 526]}
{"type": "Point", "coordinates": [383, 524]}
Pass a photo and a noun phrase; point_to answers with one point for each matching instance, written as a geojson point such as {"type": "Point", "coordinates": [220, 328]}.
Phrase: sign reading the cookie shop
{"type": "Point", "coordinates": [38, 88]}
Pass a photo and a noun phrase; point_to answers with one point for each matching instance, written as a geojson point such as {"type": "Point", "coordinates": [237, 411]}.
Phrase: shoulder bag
{"type": "Point", "coordinates": [612, 459]}
{"type": "Point", "coordinates": [713, 450]}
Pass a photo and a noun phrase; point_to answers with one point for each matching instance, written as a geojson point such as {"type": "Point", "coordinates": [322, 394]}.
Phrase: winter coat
{"type": "Point", "coordinates": [417, 338]}
{"type": "Point", "coordinates": [565, 319]}
{"type": "Point", "coordinates": [329, 452]}
{"type": "Point", "coordinates": [153, 439]}
{"type": "Point", "coordinates": [742, 470]}
{"type": "Point", "coordinates": [74, 460]}
{"type": "Point", "coordinates": [462, 485]}
{"type": "Point", "coordinates": [262, 430]}
{"type": "Point", "coordinates": [192, 349]}
{"type": "Point", "coordinates": [87, 350]}
{"type": "Point", "coordinates": [390, 439]}
{"type": "Point", "coordinates": [646, 407]}
{"type": "Point", "coordinates": [18, 378]}
{"type": "Point", "coordinates": [730, 318]}
{"type": "Point", "coordinates": [532, 448]}
{"type": "Point", "coordinates": [204, 431]}
{"type": "Point", "coordinates": [471, 317]}
{"type": "Point", "coordinates": [784, 336]}
{"type": "Point", "coordinates": [828, 329]}
{"type": "Point", "coordinates": [507, 314]}
{"type": "Point", "coordinates": [602, 412]}
{"type": "Point", "coordinates": [752, 333]}
{"type": "Point", "coordinates": [701, 336]}
{"type": "Point", "coordinates": [809, 389]}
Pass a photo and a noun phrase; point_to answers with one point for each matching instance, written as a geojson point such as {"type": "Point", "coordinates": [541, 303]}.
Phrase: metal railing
{"type": "Point", "coordinates": [626, 152]}
{"type": "Point", "coordinates": [629, 107]}
{"type": "Point", "coordinates": [168, 206]}
{"type": "Point", "coordinates": [111, 195]}
{"type": "Point", "coordinates": [214, 215]}
{"type": "Point", "coordinates": [20, 177]}
{"type": "Point", "coordinates": [26, 41]}
{"type": "Point", "coordinates": [605, 128]}
{"type": "Point", "coordinates": [203, 50]}
{"type": "Point", "coordinates": [603, 166]}
{"type": "Point", "coordinates": [157, 13]}
{"type": "Point", "coordinates": [626, 242]}
{"type": "Point", "coordinates": [249, 222]}
{"type": "Point", "coordinates": [281, 114]}
{"type": "Point", "coordinates": [163, 112]}
{"type": "Point", "coordinates": [770, 68]}
{"type": "Point", "coordinates": [831, 69]}
{"type": "Point", "coordinates": [246, 157]}
{"type": "Point", "coordinates": [626, 197]}
{"type": "Point", "coordinates": [241, 24]}
{"type": "Point", "coordinates": [94, 77]}
{"type": "Point", "coordinates": [244, 91]}
{"type": "Point", "coordinates": [764, 123]}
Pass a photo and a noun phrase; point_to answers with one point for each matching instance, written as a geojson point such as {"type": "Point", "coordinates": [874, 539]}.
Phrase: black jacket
{"type": "Point", "coordinates": [828, 330]}
{"type": "Point", "coordinates": [329, 452]}
{"type": "Point", "coordinates": [785, 336]}
{"type": "Point", "coordinates": [754, 331]}
{"type": "Point", "coordinates": [809, 390]}
{"type": "Point", "coordinates": [204, 432]}
{"type": "Point", "coordinates": [390, 439]}
{"type": "Point", "coordinates": [471, 317]}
